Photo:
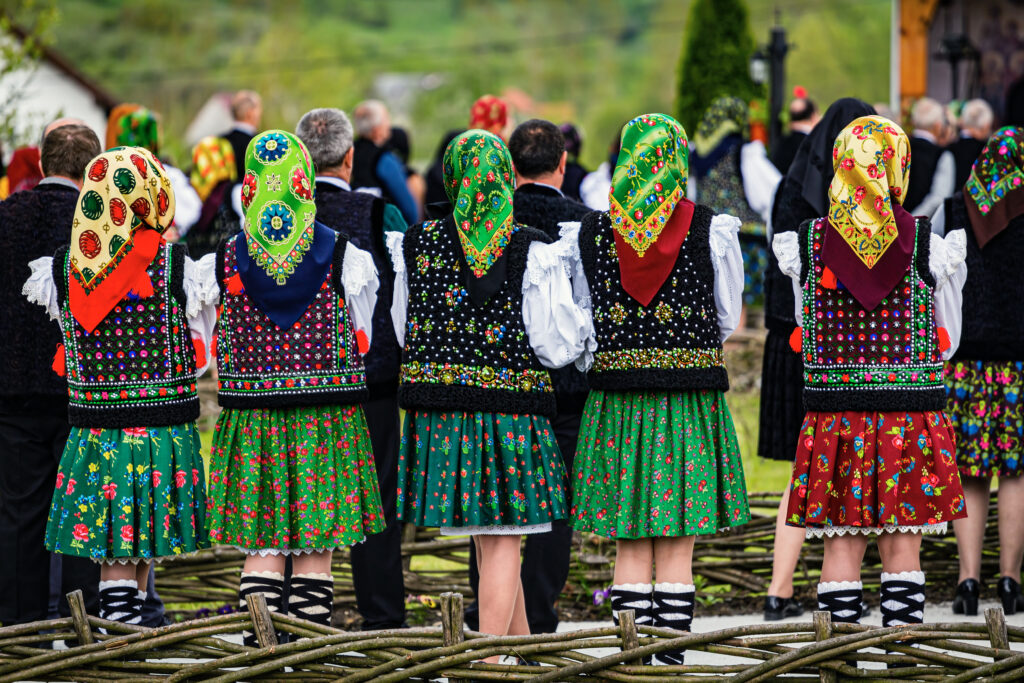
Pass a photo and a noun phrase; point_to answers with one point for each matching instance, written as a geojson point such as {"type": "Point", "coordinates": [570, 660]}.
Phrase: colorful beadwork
{"type": "Point", "coordinates": [633, 359]}
{"type": "Point", "coordinates": [847, 348]}
{"type": "Point", "coordinates": [257, 360]}
{"type": "Point", "coordinates": [139, 356]}
{"type": "Point", "coordinates": [485, 377]}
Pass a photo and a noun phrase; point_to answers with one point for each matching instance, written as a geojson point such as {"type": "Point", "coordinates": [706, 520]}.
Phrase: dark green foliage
{"type": "Point", "coordinates": [715, 59]}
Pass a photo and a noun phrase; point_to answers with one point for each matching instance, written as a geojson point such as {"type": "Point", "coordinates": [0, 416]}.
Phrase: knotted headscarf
{"type": "Point", "coordinates": [285, 255]}
{"type": "Point", "coordinates": [139, 128]}
{"type": "Point", "coordinates": [489, 113]}
{"type": "Point", "coordinates": [995, 189]}
{"type": "Point", "coordinates": [125, 205]}
{"type": "Point", "coordinates": [213, 162]}
{"type": "Point", "coordinates": [479, 180]}
{"type": "Point", "coordinates": [723, 117]}
{"type": "Point", "coordinates": [648, 212]}
{"type": "Point", "coordinates": [875, 244]}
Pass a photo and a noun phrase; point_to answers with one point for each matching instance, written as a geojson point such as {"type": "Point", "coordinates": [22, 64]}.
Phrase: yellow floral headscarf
{"type": "Point", "coordinates": [213, 161]}
{"type": "Point", "coordinates": [871, 158]}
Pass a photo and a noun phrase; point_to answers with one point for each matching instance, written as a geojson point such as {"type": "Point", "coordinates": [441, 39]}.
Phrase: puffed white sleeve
{"type": "Point", "coordinates": [727, 260]}
{"type": "Point", "coordinates": [947, 263]}
{"type": "Point", "coordinates": [40, 288]}
{"type": "Point", "coordinates": [569, 233]}
{"type": "Point", "coordinates": [400, 298]}
{"type": "Point", "coordinates": [760, 178]}
{"type": "Point", "coordinates": [786, 246]}
{"type": "Point", "coordinates": [187, 204]}
{"type": "Point", "coordinates": [359, 279]}
{"type": "Point", "coordinates": [556, 326]}
{"type": "Point", "coordinates": [201, 296]}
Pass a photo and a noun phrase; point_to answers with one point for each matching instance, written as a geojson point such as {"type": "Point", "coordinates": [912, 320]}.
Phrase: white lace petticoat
{"type": "Point", "coordinates": [830, 531]}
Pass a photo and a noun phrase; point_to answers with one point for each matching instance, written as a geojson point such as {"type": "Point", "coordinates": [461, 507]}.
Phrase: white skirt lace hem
{"type": "Point", "coordinates": [135, 560]}
{"type": "Point", "coordinates": [270, 552]}
{"type": "Point", "coordinates": [830, 531]}
{"type": "Point", "coordinates": [497, 530]}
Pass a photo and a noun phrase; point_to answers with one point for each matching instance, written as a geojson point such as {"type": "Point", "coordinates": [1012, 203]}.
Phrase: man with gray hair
{"type": "Point", "coordinates": [376, 170]}
{"type": "Point", "coordinates": [932, 169]}
{"type": "Point", "coordinates": [976, 119]}
{"type": "Point", "coordinates": [363, 219]}
{"type": "Point", "coordinates": [33, 398]}
{"type": "Point", "coordinates": [247, 112]}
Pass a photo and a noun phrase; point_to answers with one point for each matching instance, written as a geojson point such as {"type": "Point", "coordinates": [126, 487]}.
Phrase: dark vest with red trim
{"type": "Point", "coordinates": [313, 362]}
{"type": "Point", "coordinates": [138, 367]}
{"type": "Point", "coordinates": [458, 355]}
{"type": "Point", "coordinates": [886, 359]}
{"type": "Point", "coordinates": [674, 342]}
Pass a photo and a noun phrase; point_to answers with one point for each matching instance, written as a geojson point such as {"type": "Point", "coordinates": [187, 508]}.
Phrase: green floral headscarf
{"type": "Point", "coordinates": [277, 196]}
{"type": "Point", "coordinates": [479, 181]}
{"type": "Point", "coordinates": [995, 189]}
{"type": "Point", "coordinates": [649, 178]}
{"type": "Point", "coordinates": [725, 116]}
{"type": "Point", "coordinates": [140, 129]}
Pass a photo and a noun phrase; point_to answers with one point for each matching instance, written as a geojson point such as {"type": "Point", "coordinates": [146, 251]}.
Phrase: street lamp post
{"type": "Point", "coordinates": [777, 49]}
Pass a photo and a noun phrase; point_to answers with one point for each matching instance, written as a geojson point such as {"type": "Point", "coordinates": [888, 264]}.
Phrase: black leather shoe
{"type": "Point", "coordinates": [776, 608]}
{"type": "Point", "coordinates": [966, 599]}
{"type": "Point", "coordinates": [1008, 591]}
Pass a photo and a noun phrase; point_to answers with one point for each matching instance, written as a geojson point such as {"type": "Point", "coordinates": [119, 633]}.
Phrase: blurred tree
{"type": "Point", "coordinates": [715, 58]}
{"type": "Point", "coordinates": [19, 58]}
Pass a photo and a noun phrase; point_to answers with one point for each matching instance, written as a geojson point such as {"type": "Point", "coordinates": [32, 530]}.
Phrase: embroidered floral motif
{"type": "Point", "coordinates": [998, 170]}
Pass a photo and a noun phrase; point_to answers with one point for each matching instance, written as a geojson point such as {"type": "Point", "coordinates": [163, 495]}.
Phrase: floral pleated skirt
{"type": "Point", "coordinates": [124, 495]}
{"type": "Point", "coordinates": [292, 480]}
{"type": "Point", "coordinates": [985, 400]}
{"type": "Point", "coordinates": [859, 472]}
{"type": "Point", "coordinates": [658, 464]}
{"type": "Point", "coordinates": [479, 472]}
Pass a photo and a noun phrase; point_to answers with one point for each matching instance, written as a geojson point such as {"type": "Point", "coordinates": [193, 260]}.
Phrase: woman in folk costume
{"type": "Point", "coordinates": [878, 297]}
{"type": "Point", "coordinates": [801, 196]}
{"type": "Point", "coordinates": [482, 306]}
{"type": "Point", "coordinates": [214, 173]}
{"type": "Point", "coordinates": [658, 463]}
{"type": "Point", "coordinates": [130, 486]}
{"type": "Point", "coordinates": [985, 379]}
{"type": "Point", "coordinates": [718, 149]}
{"type": "Point", "coordinates": [292, 470]}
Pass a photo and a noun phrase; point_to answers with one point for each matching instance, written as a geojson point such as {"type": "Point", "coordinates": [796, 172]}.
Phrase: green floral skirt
{"type": "Point", "coordinates": [479, 470]}
{"type": "Point", "coordinates": [655, 464]}
{"type": "Point", "coordinates": [129, 494]}
{"type": "Point", "coordinates": [293, 479]}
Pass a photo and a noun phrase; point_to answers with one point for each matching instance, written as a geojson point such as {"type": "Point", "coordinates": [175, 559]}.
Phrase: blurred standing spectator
{"type": "Point", "coordinates": [398, 144]}
{"type": "Point", "coordinates": [34, 399]}
{"type": "Point", "coordinates": [363, 218]}
{"type": "Point", "coordinates": [574, 171]}
{"type": "Point", "coordinates": [490, 113]}
{"type": "Point", "coordinates": [437, 204]}
{"type": "Point", "coordinates": [374, 169]}
{"type": "Point", "coordinates": [247, 110]}
{"type": "Point", "coordinates": [933, 176]}
{"type": "Point", "coordinates": [140, 127]}
{"type": "Point", "coordinates": [596, 185]}
{"type": "Point", "coordinates": [803, 116]}
{"type": "Point", "coordinates": [976, 120]}
{"type": "Point", "coordinates": [23, 173]}
{"type": "Point", "coordinates": [213, 175]}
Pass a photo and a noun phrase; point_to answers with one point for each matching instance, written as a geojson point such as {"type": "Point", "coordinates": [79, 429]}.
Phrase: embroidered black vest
{"type": "Point", "coordinates": [138, 367]}
{"type": "Point", "coordinates": [360, 217]}
{"type": "Point", "coordinates": [460, 356]}
{"type": "Point", "coordinates": [314, 362]}
{"type": "Point", "coordinates": [879, 360]}
{"type": "Point", "coordinates": [990, 330]}
{"type": "Point", "coordinates": [671, 344]}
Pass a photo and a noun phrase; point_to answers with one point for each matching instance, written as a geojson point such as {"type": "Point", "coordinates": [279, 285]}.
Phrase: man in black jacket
{"type": "Point", "coordinates": [976, 121]}
{"type": "Point", "coordinates": [538, 153]}
{"type": "Point", "coordinates": [247, 112]}
{"type": "Point", "coordinates": [33, 399]}
{"type": "Point", "coordinates": [363, 218]}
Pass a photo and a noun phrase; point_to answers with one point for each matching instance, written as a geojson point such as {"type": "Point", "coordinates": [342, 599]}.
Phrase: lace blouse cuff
{"type": "Point", "coordinates": [40, 288]}
{"type": "Point", "coordinates": [200, 284]}
{"type": "Point", "coordinates": [786, 246]}
{"type": "Point", "coordinates": [946, 254]}
{"type": "Point", "coordinates": [359, 279]}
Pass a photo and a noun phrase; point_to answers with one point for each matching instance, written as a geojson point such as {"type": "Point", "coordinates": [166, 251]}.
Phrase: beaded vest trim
{"type": "Point", "coordinates": [673, 343]}
{"type": "Point", "coordinates": [314, 362]}
{"type": "Point", "coordinates": [460, 356]}
{"type": "Point", "coordinates": [137, 368]}
{"type": "Point", "coordinates": [879, 360]}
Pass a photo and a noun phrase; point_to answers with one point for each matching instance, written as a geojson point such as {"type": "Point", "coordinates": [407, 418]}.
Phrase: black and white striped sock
{"type": "Point", "coordinates": [902, 598]}
{"type": "Point", "coordinates": [271, 584]}
{"type": "Point", "coordinates": [119, 601]}
{"type": "Point", "coordinates": [673, 608]}
{"type": "Point", "coordinates": [634, 596]}
{"type": "Point", "coordinates": [842, 599]}
{"type": "Point", "coordinates": [311, 596]}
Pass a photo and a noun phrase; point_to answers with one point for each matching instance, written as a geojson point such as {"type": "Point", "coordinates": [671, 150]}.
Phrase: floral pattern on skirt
{"type": "Point", "coordinates": [875, 470]}
{"type": "Point", "coordinates": [129, 494]}
{"type": "Point", "coordinates": [985, 400]}
{"type": "Point", "coordinates": [657, 464]}
{"type": "Point", "coordinates": [293, 479]}
{"type": "Point", "coordinates": [460, 469]}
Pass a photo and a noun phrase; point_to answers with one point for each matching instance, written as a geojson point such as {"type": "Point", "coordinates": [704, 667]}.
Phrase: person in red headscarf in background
{"type": "Point", "coordinates": [23, 173]}
{"type": "Point", "coordinates": [490, 113]}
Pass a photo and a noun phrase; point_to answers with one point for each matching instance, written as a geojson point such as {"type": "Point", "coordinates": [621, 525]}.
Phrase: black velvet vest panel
{"type": "Point", "coordinates": [924, 155]}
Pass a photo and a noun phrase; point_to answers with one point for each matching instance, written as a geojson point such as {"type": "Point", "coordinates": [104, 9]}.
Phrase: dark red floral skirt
{"type": "Point", "coordinates": [875, 471]}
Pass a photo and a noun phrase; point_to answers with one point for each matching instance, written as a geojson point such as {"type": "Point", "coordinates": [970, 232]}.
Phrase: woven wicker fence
{"type": "Point", "coordinates": [732, 569]}
{"type": "Point", "coordinates": [816, 651]}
